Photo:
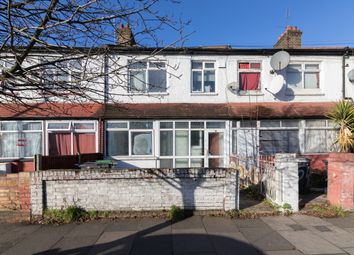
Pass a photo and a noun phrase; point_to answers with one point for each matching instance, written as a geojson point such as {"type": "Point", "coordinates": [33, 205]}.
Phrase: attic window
{"type": "Point", "coordinates": [249, 74]}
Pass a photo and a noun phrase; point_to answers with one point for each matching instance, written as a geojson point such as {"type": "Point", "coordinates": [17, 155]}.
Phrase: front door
{"type": "Point", "coordinates": [215, 149]}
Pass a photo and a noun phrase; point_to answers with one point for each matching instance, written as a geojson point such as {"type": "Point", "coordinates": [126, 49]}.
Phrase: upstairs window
{"type": "Point", "coordinates": [249, 74]}
{"type": "Point", "coordinates": [203, 77]}
{"type": "Point", "coordinates": [62, 73]}
{"type": "Point", "coordinates": [303, 76]}
{"type": "Point", "coordinates": [147, 77]}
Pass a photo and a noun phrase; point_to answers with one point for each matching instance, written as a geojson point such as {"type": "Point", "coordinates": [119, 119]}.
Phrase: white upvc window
{"type": "Point", "coordinates": [62, 73]}
{"type": "Point", "coordinates": [203, 77]}
{"type": "Point", "coordinates": [147, 77]}
{"type": "Point", "coordinates": [20, 139]}
{"type": "Point", "coordinates": [71, 137]}
{"type": "Point", "coordinates": [129, 138]}
{"type": "Point", "coordinates": [303, 76]}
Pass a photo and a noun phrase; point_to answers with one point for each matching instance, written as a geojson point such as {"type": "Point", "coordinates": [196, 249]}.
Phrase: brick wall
{"type": "Point", "coordinates": [341, 180]}
{"type": "Point", "coordinates": [143, 189]}
{"type": "Point", "coordinates": [14, 192]}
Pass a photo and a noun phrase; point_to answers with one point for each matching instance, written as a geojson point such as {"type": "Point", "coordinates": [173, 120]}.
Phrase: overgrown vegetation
{"type": "Point", "coordinates": [176, 213]}
{"type": "Point", "coordinates": [253, 191]}
{"type": "Point", "coordinates": [70, 214]}
{"type": "Point", "coordinates": [325, 211]}
{"type": "Point", "coordinates": [343, 117]}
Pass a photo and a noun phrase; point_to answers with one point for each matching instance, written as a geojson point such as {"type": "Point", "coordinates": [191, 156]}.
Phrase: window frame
{"type": "Point", "coordinates": [130, 131]}
{"type": "Point", "coordinates": [250, 70]}
{"type": "Point", "coordinates": [202, 70]}
{"type": "Point", "coordinates": [327, 127]}
{"type": "Point", "coordinates": [146, 70]}
{"type": "Point", "coordinates": [20, 130]}
{"type": "Point", "coordinates": [303, 71]}
{"type": "Point", "coordinates": [72, 131]}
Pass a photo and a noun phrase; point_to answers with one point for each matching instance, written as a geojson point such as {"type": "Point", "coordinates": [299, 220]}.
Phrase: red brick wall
{"type": "Point", "coordinates": [22, 166]}
{"type": "Point", "coordinates": [341, 180]}
{"type": "Point", "coordinates": [15, 193]}
{"type": "Point", "coordinates": [316, 161]}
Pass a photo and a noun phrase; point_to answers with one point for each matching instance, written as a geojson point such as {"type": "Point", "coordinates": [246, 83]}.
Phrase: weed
{"type": "Point", "coordinates": [253, 192]}
{"type": "Point", "coordinates": [70, 214]}
{"type": "Point", "coordinates": [325, 211]}
{"type": "Point", "coordinates": [176, 214]}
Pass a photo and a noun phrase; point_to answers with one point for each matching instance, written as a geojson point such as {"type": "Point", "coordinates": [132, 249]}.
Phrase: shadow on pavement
{"type": "Point", "coordinates": [154, 240]}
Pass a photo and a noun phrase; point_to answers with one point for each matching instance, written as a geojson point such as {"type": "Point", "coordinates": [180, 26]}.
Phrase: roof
{"type": "Point", "coordinates": [167, 111]}
{"type": "Point", "coordinates": [202, 50]}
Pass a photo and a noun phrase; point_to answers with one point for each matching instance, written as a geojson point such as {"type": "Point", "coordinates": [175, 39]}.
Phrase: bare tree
{"type": "Point", "coordinates": [56, 49]}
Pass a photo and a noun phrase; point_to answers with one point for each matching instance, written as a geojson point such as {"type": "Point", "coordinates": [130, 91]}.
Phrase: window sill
{"type": "Point", "coordinates": [204, 94]}
{"type": "Point", "coordinates": [250, 93]}
{"type": "Point", "coordinates": [148, 93]}
{"type": "Point", "coordinates": [304, 92]}
{"type": "Point", "coordinates": [134, 157]}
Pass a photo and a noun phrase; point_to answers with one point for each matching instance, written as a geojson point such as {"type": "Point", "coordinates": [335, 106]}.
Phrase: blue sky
{"type": "Point", "coordinates": [258, 23]}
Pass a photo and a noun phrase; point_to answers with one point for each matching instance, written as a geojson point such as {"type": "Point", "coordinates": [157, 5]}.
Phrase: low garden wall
{"type": "Point", "coordinates": [340, 190]}
{"type": "Point", "coordinates": [135, 190]}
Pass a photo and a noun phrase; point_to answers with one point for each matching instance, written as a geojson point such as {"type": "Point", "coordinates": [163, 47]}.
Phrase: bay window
{"type": "Point", "coordinates": [249, 74]}
{"type": "Point", "coordinates": [20, 139]}
{"type": "Point", "coordinates": [147, 77]}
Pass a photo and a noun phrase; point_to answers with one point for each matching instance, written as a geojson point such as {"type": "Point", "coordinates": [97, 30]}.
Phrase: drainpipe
{"type": "Point", "coordinates": [105, 69]}
{"type": "Point", "coordinates": [344, 57]}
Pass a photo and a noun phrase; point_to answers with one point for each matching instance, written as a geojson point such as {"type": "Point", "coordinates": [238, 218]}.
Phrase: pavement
{"type": "Point", "coordinates": [278, 235]}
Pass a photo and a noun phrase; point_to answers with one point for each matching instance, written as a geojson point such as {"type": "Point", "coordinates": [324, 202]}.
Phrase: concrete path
{"type": "Point", "coordinates": [278, 235]}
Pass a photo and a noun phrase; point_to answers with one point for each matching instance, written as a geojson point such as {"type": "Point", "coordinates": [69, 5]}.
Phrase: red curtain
{"type": "Point", "coordinates": [244, 65]}
{"type": "Point", "coordinates": [84, 143]}
{"type": "Point", "coordinates": [59, 144]}
{"type": "Point", "coordinates": [249, 81]}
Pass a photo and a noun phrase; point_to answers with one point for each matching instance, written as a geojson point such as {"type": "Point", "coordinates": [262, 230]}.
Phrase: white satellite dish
{"type": "Point", "coordinates": [276, 84]}
{"type": "Point", "coordinates": [233, 86]}
{"type": "Point", "coordinates": [351, 76]}
{"type": "Point", "coordinates": [280, 60]}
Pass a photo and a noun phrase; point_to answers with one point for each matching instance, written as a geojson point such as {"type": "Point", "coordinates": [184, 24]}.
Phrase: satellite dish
{"type": "Point", "coordinates": [280, 60]}
{"type": "Point", "coordinates": [276, 84]}
{"type": "Point", "coordinates": [233, 86]}
{"type": "Point", "coordinates": [351, 76]}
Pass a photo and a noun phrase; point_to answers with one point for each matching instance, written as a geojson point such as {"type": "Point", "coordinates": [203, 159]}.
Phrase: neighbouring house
{"type": "Point", "coordinates": [189, 107]}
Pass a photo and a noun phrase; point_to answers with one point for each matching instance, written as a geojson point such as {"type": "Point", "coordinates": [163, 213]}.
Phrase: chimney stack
{"type": "Point", "coordinates": [125, 37]}
{"type": "Point", "coordinates": [289, 39]}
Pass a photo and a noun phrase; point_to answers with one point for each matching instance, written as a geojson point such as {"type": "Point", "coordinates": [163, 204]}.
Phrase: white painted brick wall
{"type": "Point", "coordinates": [137, 190]}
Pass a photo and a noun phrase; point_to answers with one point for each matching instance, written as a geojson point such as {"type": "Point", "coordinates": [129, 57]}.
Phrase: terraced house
{"type": "Point", "coordinates": [184, 107]}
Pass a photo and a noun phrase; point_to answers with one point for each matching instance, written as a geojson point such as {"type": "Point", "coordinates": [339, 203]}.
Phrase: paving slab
{"type": "Point", "coordinates": [150, 227]}
{"type": "Point", "coordinates": [310, 243]}
{"type": "Point", "coordinates": [219, 224]}
{"type": "Point", "coordinates": [349, 250]}
{"type": "Point", "coordinates": [191, 240]}
{"type": "Point", "coordinates": [250, 223]}
{"type": "Point", "coordinates": [230, 243]}
{"type": "Point", "coordinates": [342, 240]}
{"type": "Point", "coordinates": [123, 225]}
{"type": "Point", "coordinates": [73, 245]}
{"type": "Point", "coordinates": [266, 239]}
{"type": "Point", "coordinates": [14, 234]}
{"type": "Point", "coordinates": [153, 244]}
{"type": "Point", "coordinates": [40, 241]}
{"type": "Point", "coordinates": [289, 252]}
{"type": "Point", "coordinates": [306, 220]}
{"type": "Point", "coordinates": [343, 222]}
{"type": "Point", "coordinates": [194, 222]}
{"type": "Point", "coordinates": [114, 243]}
{"type": "Point", "coordinates": [94, 228]}
{"type": "Point", "coordinates": [279, 222]}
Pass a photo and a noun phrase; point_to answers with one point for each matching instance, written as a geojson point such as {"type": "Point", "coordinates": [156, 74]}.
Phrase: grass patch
{"type": "Point", "coordinates": [324, 211]}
